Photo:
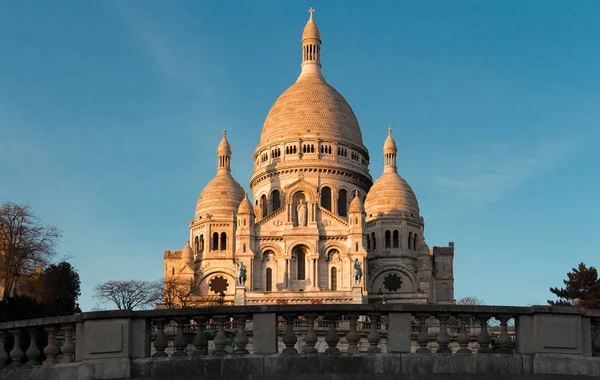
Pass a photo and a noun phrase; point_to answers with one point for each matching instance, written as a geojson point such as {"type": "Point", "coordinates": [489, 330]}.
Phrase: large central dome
{"type": "Point", "coordinates": [311, 107]}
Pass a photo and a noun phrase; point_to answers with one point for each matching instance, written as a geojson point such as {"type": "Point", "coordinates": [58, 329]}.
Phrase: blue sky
{"type": "Point", "coordinates": [111, 111]}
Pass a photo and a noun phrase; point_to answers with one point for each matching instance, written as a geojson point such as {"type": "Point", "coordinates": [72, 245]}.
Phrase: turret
{"type": "Point", "coordinates": [311, 48]}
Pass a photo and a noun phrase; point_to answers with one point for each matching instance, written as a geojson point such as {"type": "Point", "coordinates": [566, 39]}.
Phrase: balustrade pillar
{"type": "Point", "coordinates": [241, 340]}
{"type": "Point", "coordinates": [160, 341]}
{"type": "Point", "coordinates": [180, 342]}
{"type": "Point", "coordinates": [220, 340]}
{"type": "Point", "coordinates": [443, 339]}
{"type": "Point", "coordinates": [68, 348]}
{"type": "Point", "coordinates": [16, 354]}
{"type": "Point", "coordinates": [3, 353]}
{"type": "Point", "coordinates": [311, 336]}
{"type": "Point", "coordinates": [51, 349]}
{"type": "Point", "coordinates": [33, 352]}
{"type": "Point", "coordinates": [374, 336]}
{"type": "Point", "coordinates": [463, 336]}
{"type": "Point", "coordinates": [200, 341]}
{"type": "Point", "coordinates": [353, 336]}
{"type": "Point", "coordinates": [332, 338]}
{"type": "Point", "coordinates": [484, 338]}
{"type": "Point", "coordinates": [503, 342]}
{"type": "Point", "coordinates": [423, 337]}
{"type": "Point", "coordinates": [289, 339]}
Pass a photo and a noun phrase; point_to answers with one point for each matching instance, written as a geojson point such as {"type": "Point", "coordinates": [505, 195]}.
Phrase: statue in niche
{"type": "Point", "coordinates": [241, 274]}
{"type": "Point", "coordinates": [357, 272]}
{"type": "Point", "coordinates": [301, 210]}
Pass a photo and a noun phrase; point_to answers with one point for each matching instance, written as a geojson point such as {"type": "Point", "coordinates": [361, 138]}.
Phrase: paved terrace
{"type": "Point", "coordinates": [307, 342]}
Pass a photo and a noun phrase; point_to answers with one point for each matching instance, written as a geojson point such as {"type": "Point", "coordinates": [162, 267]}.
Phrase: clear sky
{"type": "Point", "coordinates": [111, 112]}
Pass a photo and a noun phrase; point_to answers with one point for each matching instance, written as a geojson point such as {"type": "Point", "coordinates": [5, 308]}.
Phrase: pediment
{"type": "Point", "coordinates": [186, 269]}
{"type": "Point", "coordinates": [303, 185]}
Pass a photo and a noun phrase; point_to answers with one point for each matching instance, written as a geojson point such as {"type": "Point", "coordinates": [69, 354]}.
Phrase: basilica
{"type": "Point", "coordinates": [316, 228]}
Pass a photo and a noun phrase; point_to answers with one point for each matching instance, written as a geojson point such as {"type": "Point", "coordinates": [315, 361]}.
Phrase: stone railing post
{"type": "Point", "coordinates": [484, 339]}
{"type": "Point", "coordinates": [180, 342]}
{"type": "Point", "coordinates": [332, 338]}
{"type": "Point", "coordinates": [220, 340]}
{"type": "Point", "coordinates": [423, 337]}
{"type": "Point", "coordinates": [374, 336]}
{"type": "Point", "coordinates": [200, 341]}
{"type": "Point", "coordinates": [265, 333]}
{"type": "Point", "coordinates": [443, 339]}
{"type": "Point", "coordinates": [51, 350]}
{"type": "Point", "coordinates": [463, 335]}
{"type": "Point", "coordinates": [241, 340]}
{"type": "Point", "coordinates": [290, 339]}
{"type": "Point", "coordinates": [504, 343]}
{"type": "Point", "coordinates": [160, 341]}
{"type": "Point", "coordinates": [3, 353]}
{"type": "Point", "coordinates": [353, 336]}
{"type": "Point", "coordinates": [311, 335]}
{"type": "Point", "coordinates": [33, 352]}
{"type": "Point", "coordinates": [16, 354]}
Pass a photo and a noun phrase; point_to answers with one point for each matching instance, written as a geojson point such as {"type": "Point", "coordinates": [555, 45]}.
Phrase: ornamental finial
{"type": "Point", "coordinates": [224, 132]}
{"type": "Point", "coordinates": [311, 11]}
{"type": "Point", "coordinates": [389, 131]}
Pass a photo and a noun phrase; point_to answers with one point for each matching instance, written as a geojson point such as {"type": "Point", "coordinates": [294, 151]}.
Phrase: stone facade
{"type": "Point", "coordinates": [318, 230]}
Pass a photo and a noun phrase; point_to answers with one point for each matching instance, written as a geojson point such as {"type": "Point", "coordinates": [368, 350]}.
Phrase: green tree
{"type": "Point", "coordinates": [61, 289]}
{"type": "Point", "coordinates": [582, 289]}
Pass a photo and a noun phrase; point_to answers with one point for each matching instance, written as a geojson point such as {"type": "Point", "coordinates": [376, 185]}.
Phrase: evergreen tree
{"type": "Point", "coordinates": [61, 288]}
{"type": "Point", "coordinates": [582, 289]}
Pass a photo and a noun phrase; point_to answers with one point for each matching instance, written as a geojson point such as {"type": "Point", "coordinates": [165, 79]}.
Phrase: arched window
{"type": "Point", "coordinates": [173, 271]}
{"type": "Point", "coordinates": [333, 278]}
{"type": "Point", "coordinates": [201, 244]}
{"type": "Point", "coordinates": [373, 240]}
{"type": "Point", "coordinates": [326, 198]}
{"type": "Point", "coordinates": [269, 280]}
{"type": "Point", "coordinates": [342, 203]}
{"type": "Point", "coordinates": [395, 239]}
{"type": "Point", "coordinates": [263, 205]}
{"type": "Point", "coordinates": [275, 200]}
{"type": "Point", "coordinates": [223, 241]}
{"type": "Point", "coordinates": [196, 245]}
{"type": "Point", "coordinates": [388, 239]}
{"type": "Point", "coordinates": [244, 222]}
{"type": "Point", "coordinates": [356, 247]}
{"type": "Point", "coordinates": [301, 263]}
{"type": "Point", "coordinates": [415, 242]}
{"type": "Point", "coordinates": [410, 240]}
{"type": "Point", "coordinates": [244, 248]}
{"type": "Point", "coordinates": [215, 242]}
{"type": "Point", "coordinates": [369, 242]}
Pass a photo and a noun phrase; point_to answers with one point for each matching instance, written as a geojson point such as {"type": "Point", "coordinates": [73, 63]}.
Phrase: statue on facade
{"type": "Point", "coordinates": [301, 210]}
{"type": "Point", "coordinates": [241, 274]}
{"type": "Point", "coordinates": [357, 272]}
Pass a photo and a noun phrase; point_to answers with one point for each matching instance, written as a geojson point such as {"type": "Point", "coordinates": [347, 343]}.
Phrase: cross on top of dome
{"type": "Point", "coordinates": [311, 11]}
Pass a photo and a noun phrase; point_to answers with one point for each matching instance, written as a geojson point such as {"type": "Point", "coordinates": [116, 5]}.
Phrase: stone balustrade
{"type": "Point", "coordinates": [389, 339]}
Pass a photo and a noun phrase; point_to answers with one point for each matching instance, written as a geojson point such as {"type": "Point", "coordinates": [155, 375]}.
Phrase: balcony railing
{"type": "Point", "coordinates": [290, 330]}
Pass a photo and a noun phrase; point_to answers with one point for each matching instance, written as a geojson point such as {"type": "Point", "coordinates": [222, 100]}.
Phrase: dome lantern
{"type": "Point", "coordinates": [311, 48]}
{"type": "Point", "coordinates": [389, 153]}
{"type": "Point", "coordinates": [224, 153]}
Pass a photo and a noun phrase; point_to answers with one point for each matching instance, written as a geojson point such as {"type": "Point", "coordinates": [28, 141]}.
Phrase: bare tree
{"type": "Point", "coordinates": [470, 300]}
{"type": "Point", "coordinates": [179, 293]}
{"type": "Point", "coordinates": [25, 243]}
{"type": "Point", "coordinates": [129, 294]}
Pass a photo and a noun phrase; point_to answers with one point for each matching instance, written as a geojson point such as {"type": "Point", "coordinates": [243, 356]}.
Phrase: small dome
{"type": "Point", "coordinates": [222, 195]}
{"type": "Point", "coordinates": [245, 206]}
{"type": "Point", "coordinates": [311, 30]}
{"type": "Point", "coordinates": [391, 194]}
{"type": "Point", "coordinates": [187, 252]}
{"type": "Point", "coordinates": [356, 205]}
